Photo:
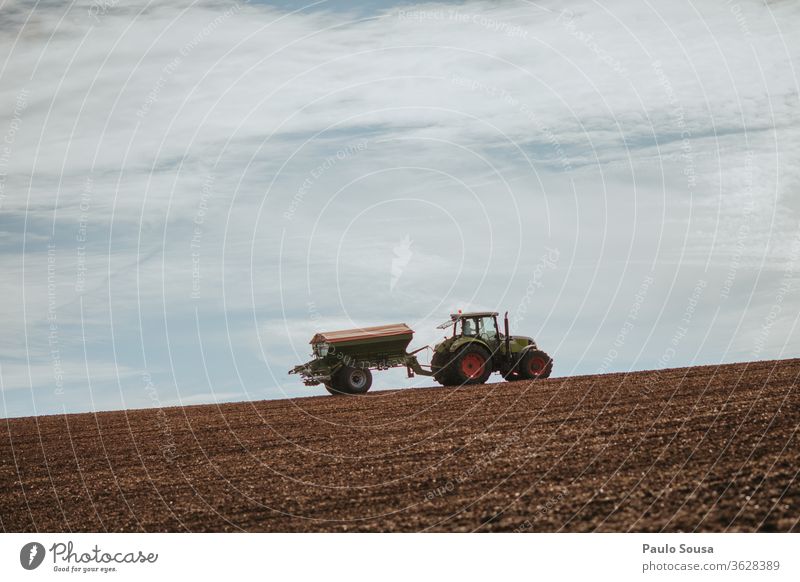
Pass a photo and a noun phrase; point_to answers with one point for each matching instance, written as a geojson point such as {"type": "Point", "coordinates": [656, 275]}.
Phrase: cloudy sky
{"type": "Point", "coordinates": [188, 191]}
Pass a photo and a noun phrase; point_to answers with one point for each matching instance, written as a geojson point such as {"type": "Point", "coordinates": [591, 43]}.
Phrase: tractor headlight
{"type": "Point", "coordinates": [322, 350]}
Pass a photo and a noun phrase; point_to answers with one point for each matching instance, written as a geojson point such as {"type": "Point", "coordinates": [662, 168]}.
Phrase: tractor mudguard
{"type": "Point", "coordinates": [528, 348]}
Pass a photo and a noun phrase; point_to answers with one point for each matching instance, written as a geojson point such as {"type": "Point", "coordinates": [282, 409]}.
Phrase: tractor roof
{"type": "Point", "coordinates": [454, 317]}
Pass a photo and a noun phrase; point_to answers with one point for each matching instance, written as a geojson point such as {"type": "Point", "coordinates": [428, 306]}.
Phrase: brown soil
{"type": "Point", "coordinates": [708, 448]}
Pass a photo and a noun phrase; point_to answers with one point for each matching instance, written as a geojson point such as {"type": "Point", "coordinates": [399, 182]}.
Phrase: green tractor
{"type": "Point", "coordinates": [477, 348]}
{"type": "Point", "coordinates": [343, 360]}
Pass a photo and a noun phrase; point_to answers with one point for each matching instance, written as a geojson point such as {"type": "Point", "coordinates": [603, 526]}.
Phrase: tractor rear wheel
{"type": "Point", "coordinates": [440, 365]}
{"type": "Point", "coordinates": [472, 365]}
{"type": "Point", "coordinates": [349, 380]}
{"type": "Point", "coordinates": [535, 364]}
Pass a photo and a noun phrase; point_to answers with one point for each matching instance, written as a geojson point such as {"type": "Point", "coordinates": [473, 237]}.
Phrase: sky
{"type": "Point", "coordinates": [190, 190]}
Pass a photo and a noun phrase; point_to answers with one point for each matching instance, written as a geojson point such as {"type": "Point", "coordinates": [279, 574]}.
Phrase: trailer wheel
{"type": "Point", "coordinates": [349, 380]}
{"type": "Point", "coordinates": [472, 365]}
{"type": "Point", "coordinates": [535, 364]}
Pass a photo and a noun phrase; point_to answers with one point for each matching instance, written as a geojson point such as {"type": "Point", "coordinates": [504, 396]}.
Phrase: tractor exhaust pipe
{"type": "Point", "coordinates": [508, 338]}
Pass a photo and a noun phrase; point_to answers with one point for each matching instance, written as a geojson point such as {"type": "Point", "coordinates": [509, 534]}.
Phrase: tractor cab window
{"type": "Point", "coordinates": [487, 328]}
{"type": "Point", "coordinates": [468, 327]}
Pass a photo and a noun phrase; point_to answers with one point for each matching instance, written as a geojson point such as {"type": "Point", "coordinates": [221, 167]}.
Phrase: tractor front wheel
{"type": "Point", "coordinates": [535, 364]}
{"type": "Point", "coordinates": [349, 380]}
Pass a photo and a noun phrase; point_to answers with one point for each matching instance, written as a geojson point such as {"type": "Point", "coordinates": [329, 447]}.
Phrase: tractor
{"type": "Point", "coordinates": [477, 348]}
{"type": "Point", "coordinates": [343, 360]}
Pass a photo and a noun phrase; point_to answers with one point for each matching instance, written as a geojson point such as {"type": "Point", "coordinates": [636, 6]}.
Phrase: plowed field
{"type": "Point", "coordinates": [710, 448]}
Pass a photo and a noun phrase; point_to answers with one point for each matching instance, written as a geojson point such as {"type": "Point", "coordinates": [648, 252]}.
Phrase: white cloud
{"type": "Point", "coordinates": [242, 162]}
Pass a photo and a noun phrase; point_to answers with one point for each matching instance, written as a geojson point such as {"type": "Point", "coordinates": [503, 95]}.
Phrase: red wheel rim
{"type": "Point", "coordinates": [472, 365]}
{"type": "Point", "coordinates": [537, 365]}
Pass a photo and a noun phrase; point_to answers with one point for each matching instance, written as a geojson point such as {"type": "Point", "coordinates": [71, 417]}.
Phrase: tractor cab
{"type": "Point", "coordinates": [480, 325]}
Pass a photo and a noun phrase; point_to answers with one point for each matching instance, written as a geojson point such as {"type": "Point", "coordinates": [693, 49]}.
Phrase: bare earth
{"type": "Point", "coordinates": [708, 448]}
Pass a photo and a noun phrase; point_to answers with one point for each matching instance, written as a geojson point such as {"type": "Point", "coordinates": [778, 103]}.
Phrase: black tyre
{"type": "Point", "coordinates": [472, 365]}
{"type": "Point", "coordinates": [535, 364]}
{"type": "Point", "coordinates": [349, 380]}
{"type": "Point", "coordinates": [440, 365]}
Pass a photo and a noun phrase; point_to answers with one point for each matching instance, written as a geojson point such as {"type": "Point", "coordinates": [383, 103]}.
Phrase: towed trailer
{"type": "Point", "coordinates": [343, 360]}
